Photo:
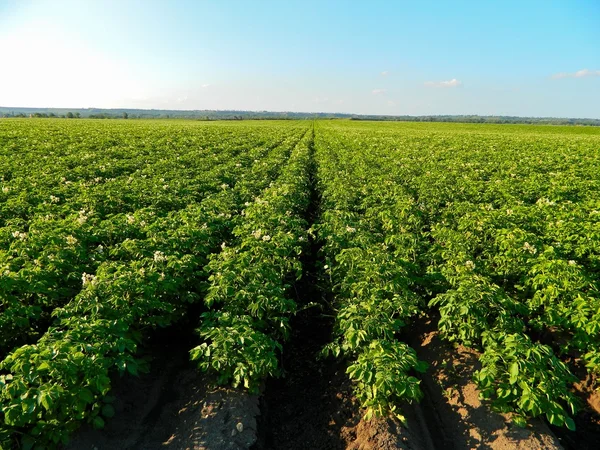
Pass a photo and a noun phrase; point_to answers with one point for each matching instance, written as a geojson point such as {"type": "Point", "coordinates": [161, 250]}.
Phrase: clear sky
{"type": "Point", "coordinates": [526, 57]}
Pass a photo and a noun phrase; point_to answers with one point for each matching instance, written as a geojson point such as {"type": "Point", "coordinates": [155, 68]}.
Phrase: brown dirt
{"type": "Point", "coordinates": [381, 434]}
{"type": "Point", "coordinates": [173, 407]}
{"type": "Point", "coordinates": [452, 403]}
{"type": "Point", "coordinates": [594, 401]}
{"type": "Point", "coordinates": [587, 435]}
{"type": "Point", "coordinates": [588, 390]}
{"type": "Point", "coordinates": [313, 406]}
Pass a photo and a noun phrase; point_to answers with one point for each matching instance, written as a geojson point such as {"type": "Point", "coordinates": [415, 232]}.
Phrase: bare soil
{"type": "Point", "coordinates": [313, 406]}
{"type": "Point", "coordinates": [452, 403]}
{"type": "Point", "coordinates": [587, 435]}
{"type": "Point", "coordinates": [173, 407]}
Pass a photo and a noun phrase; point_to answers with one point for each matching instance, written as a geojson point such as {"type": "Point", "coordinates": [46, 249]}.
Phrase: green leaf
{"type": "Point", "coordinates": [108, 410]}
{"type": "Point", "coordinates": [554, 419]}
{"type": "Point", "coordinates": [86, 395]}
{"type": "Point", "coordinates": [520, 421]}
{"type": "Point", "coordinates": [514, 372]}
{"type": "Point", "coordinates": [132, 368]}
{"type": "Point", "coordinates": [570, 423]}
{"type": "Point", "coordinates": [27, 442]}
{"type": "Point", "coordinates": [98, 423]}
{"type": "Point", "coordinates": [45, 400]}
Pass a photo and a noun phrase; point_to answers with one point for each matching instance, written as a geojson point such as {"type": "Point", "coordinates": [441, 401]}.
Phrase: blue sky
{"type": "Point", "coordinates": [528, 58]}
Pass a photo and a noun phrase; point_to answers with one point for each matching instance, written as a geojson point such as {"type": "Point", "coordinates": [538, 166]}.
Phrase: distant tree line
{"type": "Point", "coordinates": [485, 119]}
{"type": "Point", "coordinates": [68, 115]}
{"type": "Point", "coordinates": [96, 113]}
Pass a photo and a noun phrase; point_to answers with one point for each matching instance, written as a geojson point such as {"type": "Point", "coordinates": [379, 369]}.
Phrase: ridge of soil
{"type": "Point", "coordinates": [452, 403]}
{"type": "Point", "coordinates": [587, 422]}
{"type": "Point", "coordinates": [313, 405]}
{"type": "Point", "coordinates": [173, 406]}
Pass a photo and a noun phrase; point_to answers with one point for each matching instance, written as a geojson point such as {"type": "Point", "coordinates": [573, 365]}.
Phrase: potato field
{"type": "Point", "coordinates": [259, 235]}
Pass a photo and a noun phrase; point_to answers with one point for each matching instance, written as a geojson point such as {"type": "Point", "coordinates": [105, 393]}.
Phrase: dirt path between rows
{"type": "Point", "coordinates": [313, 407]}
{"type": "Point", "coordinates": [174, 407]}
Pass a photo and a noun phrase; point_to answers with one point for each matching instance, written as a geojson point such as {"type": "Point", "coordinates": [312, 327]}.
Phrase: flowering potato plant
{"type": "Point", "coordinates": [371, 264]}
{"type": "Point", "coordinates": [251, 279]}
{"type": "Point", "coordinates": [496, 228]}
{"type": "Point", "coordinates": [109, 230]}
{"type": "Point", "coordinates": [148, 265]}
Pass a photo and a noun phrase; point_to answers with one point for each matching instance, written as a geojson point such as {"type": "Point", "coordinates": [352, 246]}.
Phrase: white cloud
{"type": "Point", "coordinates": [205, 85]}
{"type": "Point", "coordinates": [379, 91]}
{"type": "Point", "coordinates": [444, 84]}
{"type": "Point", "coordinates": [385, 73]}
{"type": "Point", "coordinates": [391, 103]}
{"type": "Point", "coordinates": [579, 74]}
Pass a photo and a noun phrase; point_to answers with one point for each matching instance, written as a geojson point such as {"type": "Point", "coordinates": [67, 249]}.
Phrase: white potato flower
{"type": "Point", "coordinates": [159, 256]}
{"type": "Point", "coordinates": [87, 278]}
{"type": "Point", "coordinates": [530, 248]}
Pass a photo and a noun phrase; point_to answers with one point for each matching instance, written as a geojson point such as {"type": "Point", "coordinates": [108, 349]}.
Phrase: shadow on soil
{"type": "Point", "coordinates": [173, 406]}
{"type": "Point", "coordinates": [312, 406]}
{"type": "Point", "coordinates": [308, 406]}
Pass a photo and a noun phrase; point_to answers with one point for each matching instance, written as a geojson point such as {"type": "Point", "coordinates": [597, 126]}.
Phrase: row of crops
{"type": "Point", "coordinates": [104, 242]}
{"type": "Point", "coordinates": [496, 234]}
{"type": "Point", "coordinates": [109, 230]}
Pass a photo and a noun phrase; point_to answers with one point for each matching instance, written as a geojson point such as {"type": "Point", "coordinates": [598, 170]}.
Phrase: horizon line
{"type": "Point", "coordinates": [296, 112]}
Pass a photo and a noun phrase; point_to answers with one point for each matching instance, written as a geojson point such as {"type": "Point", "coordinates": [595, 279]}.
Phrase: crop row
{"type": "Point", "coordinates": [95, 197]}
{"type": "Point", "coordinates": [496, 232]}
{"type": "Point", "coordinates": [508, 254]}
{"type": "Point", "coordinates": [370, 233]}
{"type": "Point", "coordinates": [50, 387]}
{"type": "Point", "coordinates": [250, 296]}
{"type": "Point", "coordinates": [45, 259]}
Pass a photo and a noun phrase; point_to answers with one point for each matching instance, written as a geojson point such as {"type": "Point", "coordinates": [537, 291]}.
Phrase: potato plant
{"type": "Point", "coordinates": [109, 230]}
{"type": "Point", "coordinates": [146, 280]}
{"type": "Point", "coordinates": [250, 296]}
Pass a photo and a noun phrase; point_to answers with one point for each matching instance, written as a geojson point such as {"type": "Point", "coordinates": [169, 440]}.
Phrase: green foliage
{"type": "Point", "coordinates": [527, 378]}
{"type": "Point", "coordinates": [381, 373]}
{"type": "Point", "coordinates": [369, 226]}
{"type": "Point", "coordinates": [236, 350]}
{"type": "Point", "coordinates": [132, 270]}
{"type": "Point", "coordinates": [496, 227]}
{"type": "Point", "coordinates": [250, 280]}
{"type": "Point", "coordinates": [109, 229]}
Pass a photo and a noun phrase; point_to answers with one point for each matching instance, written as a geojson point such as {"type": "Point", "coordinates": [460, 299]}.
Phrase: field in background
{"type": "Point", "coordinates": [110, 230]}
